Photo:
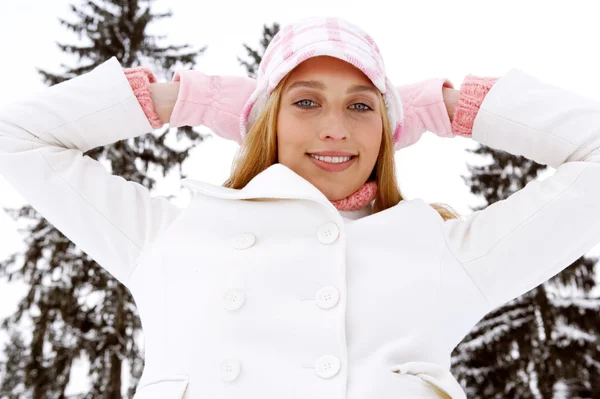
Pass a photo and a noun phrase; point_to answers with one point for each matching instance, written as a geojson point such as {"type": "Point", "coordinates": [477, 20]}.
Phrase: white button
{"type": "Point", "coordinates": [230, 369]}
{"type": "Point", "coordinates": [328, 297]}
{"type": "Point", "coordinates": [328, 233]}
{"type": "Point", "coordinates": [327, 366]}
{"type": "Point", "coordinates": [244, 241]}
{"type": "Point", "coordinates": [233, 300]}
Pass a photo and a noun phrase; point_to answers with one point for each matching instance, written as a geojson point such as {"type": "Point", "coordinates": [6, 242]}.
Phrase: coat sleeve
{"type": "Point", "coordinates": [514, 245]}
{"type": "Point", "coordinates": [42, 140]}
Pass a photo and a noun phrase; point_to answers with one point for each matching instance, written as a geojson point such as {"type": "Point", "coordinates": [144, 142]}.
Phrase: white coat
{"type": "Point", "coordinates": [285, 297]}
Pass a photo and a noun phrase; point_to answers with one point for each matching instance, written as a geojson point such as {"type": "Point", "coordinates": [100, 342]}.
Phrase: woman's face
{"type": "Point", "coordinates": [329, 109]}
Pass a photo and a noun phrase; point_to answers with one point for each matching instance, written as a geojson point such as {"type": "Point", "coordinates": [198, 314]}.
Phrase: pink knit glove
{"type": "Point", "coordinates": [139, 79]}
{"type": "Point", "coordinates": [472, 92]}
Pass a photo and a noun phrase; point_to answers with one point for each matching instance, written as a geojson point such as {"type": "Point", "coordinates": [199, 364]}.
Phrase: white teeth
{"type": "Point", "coordinates": [331, 159]}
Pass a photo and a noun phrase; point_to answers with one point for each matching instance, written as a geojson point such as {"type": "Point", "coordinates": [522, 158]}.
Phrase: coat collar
{"type": "Point", "coordinates": [277, 181]}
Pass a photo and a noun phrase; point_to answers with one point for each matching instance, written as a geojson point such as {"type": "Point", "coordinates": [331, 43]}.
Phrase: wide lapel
{"type": "Point", "coordinates": [277, 181]}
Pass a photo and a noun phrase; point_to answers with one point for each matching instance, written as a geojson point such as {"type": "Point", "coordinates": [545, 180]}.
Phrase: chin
{"type": "Point", "coordinates": [333, 190]}
{"type": "Point", "coordinates": [335, 195]}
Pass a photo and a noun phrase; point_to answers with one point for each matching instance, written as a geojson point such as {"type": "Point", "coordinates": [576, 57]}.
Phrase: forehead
{"type": "Point", "coordinates": [326, 67]}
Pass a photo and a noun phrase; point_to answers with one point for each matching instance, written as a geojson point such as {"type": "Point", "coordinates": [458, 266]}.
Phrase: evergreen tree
{"type": "Point", "coordinates": [546, 343]}
{"type": "Point", "coordinates": [74, 309]}
{"type": "Point", "coordinates": [255, 56]}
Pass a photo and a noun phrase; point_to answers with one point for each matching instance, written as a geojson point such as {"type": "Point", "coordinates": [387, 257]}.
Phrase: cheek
{"type": "Point", "coordinates": [371, 141]}
{"type": "Point", "coordinates": [289, 138]}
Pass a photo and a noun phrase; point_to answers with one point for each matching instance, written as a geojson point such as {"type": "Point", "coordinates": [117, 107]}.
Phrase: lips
{"type": "Point", "coordinates": [332, 167]}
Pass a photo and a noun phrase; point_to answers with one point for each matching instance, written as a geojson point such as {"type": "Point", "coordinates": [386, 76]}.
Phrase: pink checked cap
{"type": "Point", "coordinates": [315, 36]}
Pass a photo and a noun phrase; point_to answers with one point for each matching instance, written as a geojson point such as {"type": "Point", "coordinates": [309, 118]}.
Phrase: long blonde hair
{"type": "Point", "coordinates": [258, 151]}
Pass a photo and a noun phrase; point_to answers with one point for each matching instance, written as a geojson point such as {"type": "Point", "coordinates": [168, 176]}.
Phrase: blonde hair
{"type": "Point", "coordinates": [258, 151]}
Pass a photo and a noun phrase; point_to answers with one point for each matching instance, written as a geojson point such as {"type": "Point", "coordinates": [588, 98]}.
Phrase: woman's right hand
{"type": "Point", "coordinates": [164, 97]}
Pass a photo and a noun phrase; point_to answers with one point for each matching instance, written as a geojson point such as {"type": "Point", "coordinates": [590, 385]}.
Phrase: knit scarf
{"type": "Point", "coordinates": [359, 199]}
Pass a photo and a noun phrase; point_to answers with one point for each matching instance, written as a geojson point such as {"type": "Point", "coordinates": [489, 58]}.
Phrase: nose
{"type": "Point", "coordinates": [334, 128]}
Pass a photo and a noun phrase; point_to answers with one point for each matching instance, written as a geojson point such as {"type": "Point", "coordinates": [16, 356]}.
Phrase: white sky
{"type": "Point", "coordinates": [555, 41]}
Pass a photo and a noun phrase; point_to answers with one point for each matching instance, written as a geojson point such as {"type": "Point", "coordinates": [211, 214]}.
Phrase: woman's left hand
{"type": "Point", "coordinates": [451, 97]}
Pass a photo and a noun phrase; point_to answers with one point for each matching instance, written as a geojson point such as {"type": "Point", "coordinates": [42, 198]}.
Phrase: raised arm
{"type": "Point", "coordinates": [518, 243]}
{"type": "Point", "coordinates": [42, 141]}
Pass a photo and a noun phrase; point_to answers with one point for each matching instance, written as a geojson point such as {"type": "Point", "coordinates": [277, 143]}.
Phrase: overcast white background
{"type": "Point", "coordinates": [556, 41]}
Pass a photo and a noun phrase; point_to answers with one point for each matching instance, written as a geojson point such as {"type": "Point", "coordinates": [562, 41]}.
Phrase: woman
{"type": "Point", "coordinates": [308, 275]}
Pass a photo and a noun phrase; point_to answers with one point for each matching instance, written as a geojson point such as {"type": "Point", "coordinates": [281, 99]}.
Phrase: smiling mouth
{"type": "Point", "coordinates": [332, 164]}
{"type": "Point", "coordinates": [332, 160]}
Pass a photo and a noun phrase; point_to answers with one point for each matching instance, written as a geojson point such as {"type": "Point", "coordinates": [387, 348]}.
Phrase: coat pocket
{"type": "Point", "coordinates": [171, 387]}
{"type": "Point", "coordinates": [435, 376]}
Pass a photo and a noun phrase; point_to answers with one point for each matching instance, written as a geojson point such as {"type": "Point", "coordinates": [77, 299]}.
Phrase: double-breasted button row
{"type": "Point", "coordinates": [326, 298]}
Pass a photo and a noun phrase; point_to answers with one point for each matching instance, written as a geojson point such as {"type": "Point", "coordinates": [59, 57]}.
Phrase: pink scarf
{"type": "Point", "coordinates": [359, 199]}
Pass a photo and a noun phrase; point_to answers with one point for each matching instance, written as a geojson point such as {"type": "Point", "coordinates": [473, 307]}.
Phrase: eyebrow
{"type": "Point", "coordinates": [313, 84]}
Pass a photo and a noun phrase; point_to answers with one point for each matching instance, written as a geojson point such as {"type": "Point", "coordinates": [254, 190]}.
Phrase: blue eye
{"type": "Point", "coordinates": [304, 106]}
{"type": "Point", "coordinates": [363, 109]}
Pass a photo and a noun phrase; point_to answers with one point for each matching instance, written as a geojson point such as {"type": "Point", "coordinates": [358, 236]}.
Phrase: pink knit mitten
{"type": "Point", "coordinates": [472, 93]}
{"type": "Point", "coordinates": [140, 79]}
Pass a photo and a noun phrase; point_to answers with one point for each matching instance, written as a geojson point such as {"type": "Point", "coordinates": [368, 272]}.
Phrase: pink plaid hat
{"type": "Point", "coordinates": [311, 37]}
